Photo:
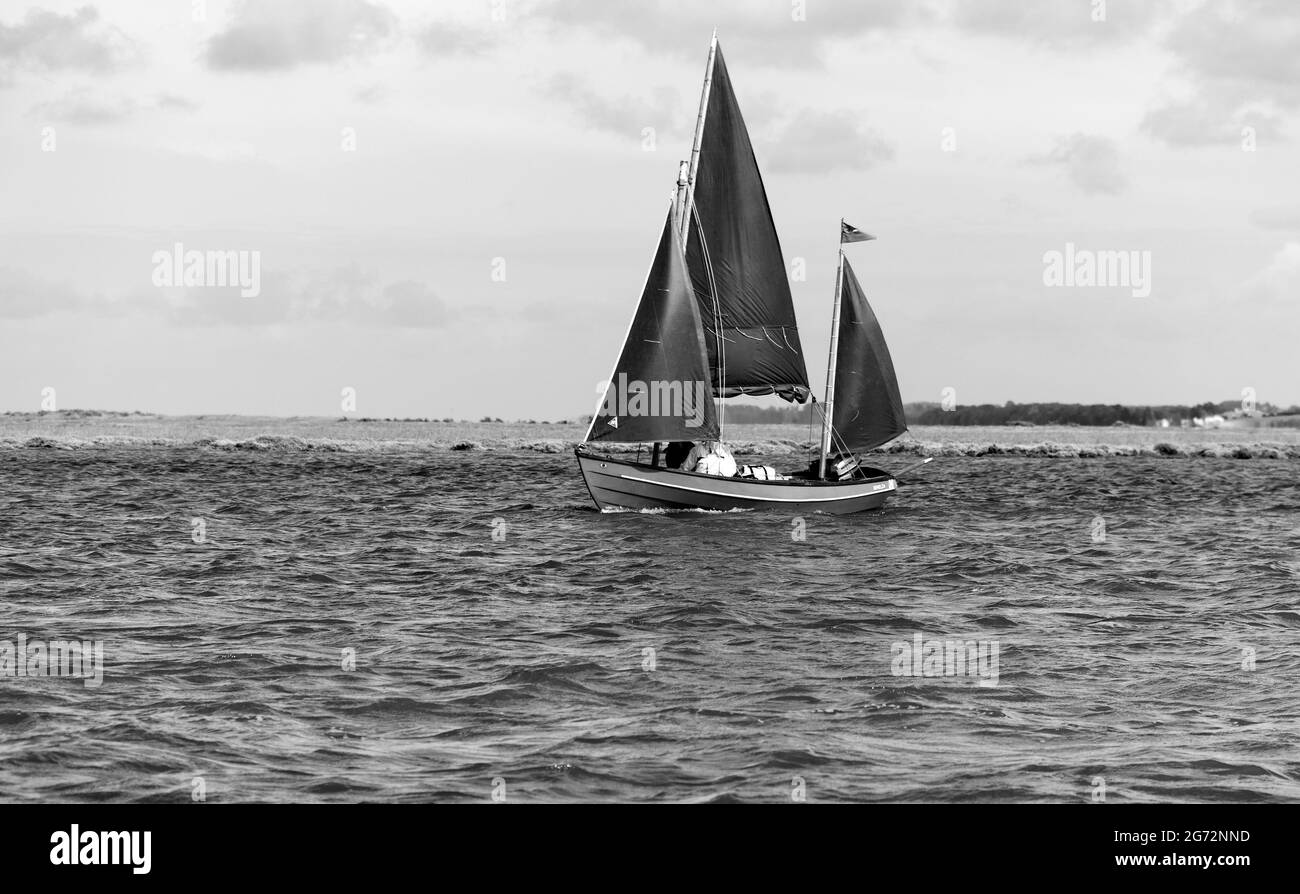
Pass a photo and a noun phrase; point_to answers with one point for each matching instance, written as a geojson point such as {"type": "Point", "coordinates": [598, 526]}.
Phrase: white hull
{"type": "Point", "coordinates": [621, 484]}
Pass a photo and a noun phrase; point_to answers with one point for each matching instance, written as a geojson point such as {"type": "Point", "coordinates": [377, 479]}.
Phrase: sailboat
{"type": "Point", "coordinates": [715, 321]}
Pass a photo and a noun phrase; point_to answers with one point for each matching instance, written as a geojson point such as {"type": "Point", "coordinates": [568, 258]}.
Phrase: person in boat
{"type": "Point", "coordinates": [710, 458]}
{"type": "Point", "coordinates": [676, 454]}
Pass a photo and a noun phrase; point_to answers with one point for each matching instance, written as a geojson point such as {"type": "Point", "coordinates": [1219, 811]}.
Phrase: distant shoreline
{"type": "Point", "coordinates": [739, 415]}
{"type": "Point", "coordinates": [92, 430]}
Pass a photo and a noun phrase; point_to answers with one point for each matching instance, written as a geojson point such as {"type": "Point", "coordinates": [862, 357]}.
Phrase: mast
{"type": "Point", "coordinates": [679, 200]}
{"type": "Point", "coordinates": [689, 201]}
{"type": "Point", "coordinates": [828, 408]}
{"type": "Point", "coordinates": [687, 171]}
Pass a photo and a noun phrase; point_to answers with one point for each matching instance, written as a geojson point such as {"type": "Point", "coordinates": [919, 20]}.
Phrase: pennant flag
{"type": "Point", "coordinates": [849, 233]}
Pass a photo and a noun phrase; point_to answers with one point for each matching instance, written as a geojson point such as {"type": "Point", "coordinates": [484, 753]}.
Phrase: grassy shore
{"type": "Point", "coordinates": [88, 429]}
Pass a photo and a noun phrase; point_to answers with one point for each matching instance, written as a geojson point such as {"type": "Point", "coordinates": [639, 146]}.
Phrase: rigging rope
{"type": "Point", "coordinates": [838, 443]}
{"type": "Point", "coordinates": [717, 313]}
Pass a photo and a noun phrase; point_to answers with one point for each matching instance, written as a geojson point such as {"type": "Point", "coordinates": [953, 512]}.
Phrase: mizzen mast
{"type": "Point", "coordinates": [828, 408]}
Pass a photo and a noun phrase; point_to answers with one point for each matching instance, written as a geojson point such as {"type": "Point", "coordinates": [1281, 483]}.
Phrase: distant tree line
{"type": "Point", "coordinates": [1012, 413]}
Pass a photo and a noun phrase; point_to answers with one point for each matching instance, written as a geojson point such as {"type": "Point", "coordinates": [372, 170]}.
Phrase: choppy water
{"type": "Point", "coordinates": [524, 659]}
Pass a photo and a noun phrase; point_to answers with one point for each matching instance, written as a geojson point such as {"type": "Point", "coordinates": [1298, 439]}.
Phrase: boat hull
{"type": "Point", "coordinates": [620, 484]}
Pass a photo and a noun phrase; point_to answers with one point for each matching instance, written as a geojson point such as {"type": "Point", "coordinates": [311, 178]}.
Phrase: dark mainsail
{"type": "Point", "coordinates": [868, 409]}
{"type": "Point", "coordinates": [660, 387]}
{"type": "Point", "coordinates": [733, 237]}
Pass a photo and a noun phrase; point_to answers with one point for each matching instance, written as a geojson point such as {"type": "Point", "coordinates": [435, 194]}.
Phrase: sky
{"type": "Point", "coordinates": [453, 205]}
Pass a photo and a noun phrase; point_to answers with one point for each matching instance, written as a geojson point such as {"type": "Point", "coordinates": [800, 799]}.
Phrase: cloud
{"type": "Point", "coordinates": [271, 35]}
{"type": "Point", "coordinates": [1058, 22]}
{"type": "Point", "coordinates": [1279, 282]}
{"type": "Point", "coordinates": [1254, 41]}
{"type": "Point", "coordinates": [443, 39]}
{"type": "Point", "coordinates": [84, 108]}
{"type": "Point", "coordinates": [821, 142]}
{"type": "Point", "coordinates": [1278, 218]}
{"type": "Point", "coordinates": [1242, 63]}
{"type": "Point", "coordinates": [790, 33]}
{"type": "Point", "coordinates": [768, 31]}
{"type": "Point", "coordinates": [1209, 121]}
{"type": "Point", "coordinates": [24, 295]}
{"type": "Point", "coordinates": [172, 101]}
{"type": "Point", "coordinates": [1092, 163]}
{"type": "Point", "coordinates": [46, 41]}
{"type": "Point", "coordinates": [412, 305]}
{"type": "Point", "coordinates": [346, 294]}
{"type": "Point", "coordinates": [627, 116]}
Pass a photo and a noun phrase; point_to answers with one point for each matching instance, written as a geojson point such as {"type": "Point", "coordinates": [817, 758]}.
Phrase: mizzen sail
{"type": "Point", "coordinates": [868, 410]}
{"type": "Point", "coordinates": [659, 390]}
{"type": "Point", "coordinates": [735, 261]}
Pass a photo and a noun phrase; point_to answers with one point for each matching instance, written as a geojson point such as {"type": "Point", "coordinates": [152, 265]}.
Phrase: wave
{"type": "Point", "coordinates": [775, 448]}
{"type": "Point", "coordinates": [1216, 450]}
